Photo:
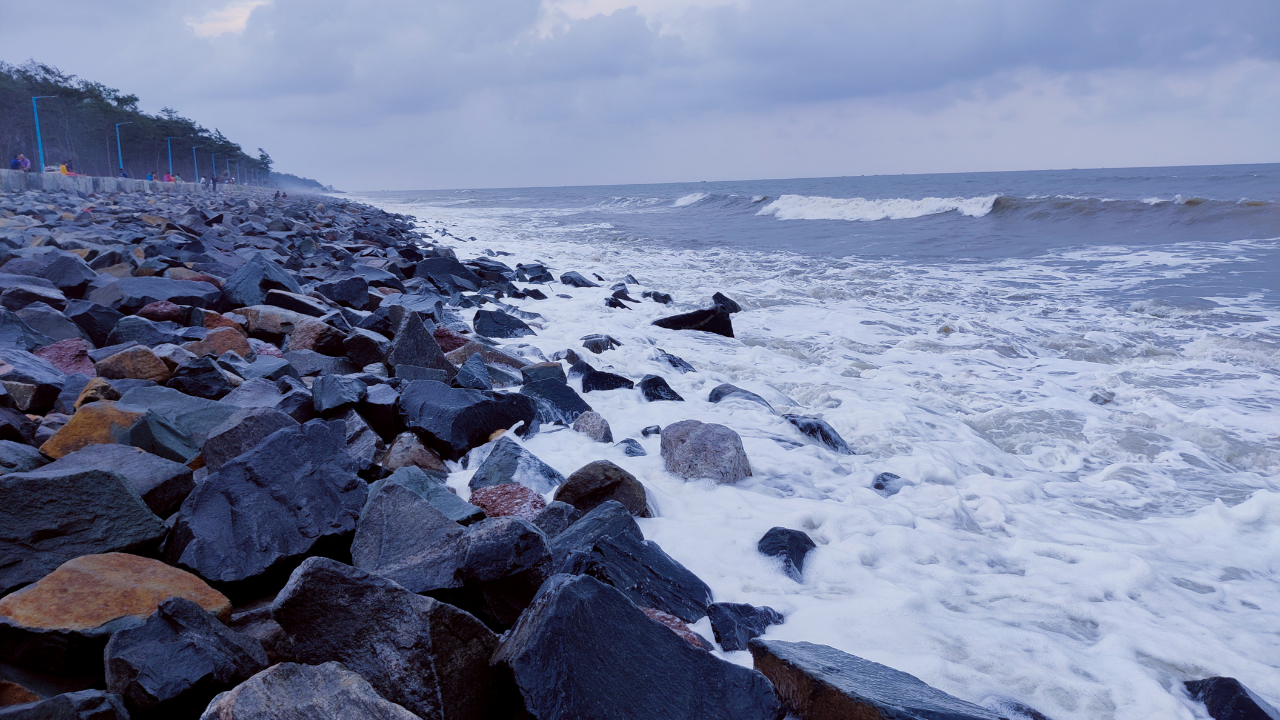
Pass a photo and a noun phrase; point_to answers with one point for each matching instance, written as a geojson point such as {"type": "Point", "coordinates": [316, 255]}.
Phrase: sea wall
{"type": "Point", "coordinates": [16, 181]}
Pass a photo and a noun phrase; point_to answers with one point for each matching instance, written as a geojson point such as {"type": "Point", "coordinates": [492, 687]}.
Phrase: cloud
{"type": "Point", "coordinates": [229, 19]}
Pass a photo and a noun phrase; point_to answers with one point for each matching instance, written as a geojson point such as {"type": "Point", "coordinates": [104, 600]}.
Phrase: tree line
{"type": "Point", "coordinates": [78, 123]}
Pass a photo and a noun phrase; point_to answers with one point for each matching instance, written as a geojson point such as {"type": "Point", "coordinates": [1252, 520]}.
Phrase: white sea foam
{"type": "Point", "coordinates": [806, 207]}
{"type": "Point", "coordinates": [689, 199]}
{"type": "Point", "coordinates": [1083, 559]}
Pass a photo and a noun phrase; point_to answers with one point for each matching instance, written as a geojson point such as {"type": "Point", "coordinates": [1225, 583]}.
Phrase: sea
{"type": "Point", "coordinates": [1075, 374]}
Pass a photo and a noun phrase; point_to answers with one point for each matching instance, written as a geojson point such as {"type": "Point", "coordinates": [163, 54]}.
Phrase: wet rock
{"type": "Point", "coordinates": [679, 627]}
{"type": "Point", "coordinates": [733, 392]}
{"type": "Point", "coordinates": [583, 650]}
{"type": "Point", "coordinates": [789, 546]}
{"type": "Point", "coordinates": [1102, 397]}
{"type": "Point", "coordinates": [658, 297]}
{"type": "Point", "coordinates": [351, 291]}
{"type": "Point", "coordinates": [192, 416]}
{"type": "Point", "coordinates": [142, 331]}
{"type": "Point", "coordinates": [363, 444]}
{"type": "Point", "coordinates": [597, 380]}
{"type": "Point", "coordinates": [44, 320]}
{"type": "Point", "coordinates": [1228, 699]}
{"type": "Point", "coordinates": [642, 571]}
{"type": "Point", "coordinates": [508, 500]}
{"type": "Point", "coordinates": [473, 374]}
{"type": "Point", "coordinates": [556, 517]}
{"type": "Point", "coordinates": [593, 425]}
{"type": "Point", "coordinates": [675, 362]}
{"type": "Point", "coordinates": [86, 704]}
{"type": "Point", "coordinates": [726, 304]}
{"type": "Point", "coordinates": [61, 623]}
{"type": "Point", "coordinates": [289, 691]}
{"type": "Point", "coordinates": [712, 320]}
{"type": "Point", "coordinates": [97, 321]}
{"type": "Point", "coordinates": [178, 659]}
{"type": "Point", "coordinates": [607, 520]}
{"type": "Point", "coordinates": [163, 484]}
{"type": "Point", "coordinates": [17, 457]}
{"type": "Point", "coordinates": [295, 494]}
{"type": "Point", "coordinates": [430, 487]}
{"type": "Point", "coordinates": [599, 343]}
{"type": "Point", "coordinates": [202, 378]}
{"type": "Point", "coordinates": [886, 484]}
{"type": "Point", "coordinates": [734, 624]}
{"type": "Point", "coordinates": [506, 560]}
{"type": "Point", "coordinates": [17, 295]}
{"type": "Point", "coordinates": [298, 303]}
{"type": "Point", "coordinates": [651, 430]}
{"type": "Point", "coordinates": [655, 388]}
{"type": "Point", "coordinates": [575, 279]}
{"type": "Point", "coordinates": [138, 363]}
{"type": "Point", "coordinates": [249, 285]}
{"type": "Point", "coordinates": [542, 371]}
{"type": "Point", "coordinates": [819, 430]}
{"type": "Point", "coordinates": [69, 356]}
{"type": "Point", "coordinates": [310, 362]}
{"type": "Point", "coordinates": [219, 341]}
{"type": "Point", "coordinates": [500, 325]}
{"type": "Point", "coordinates": [510, 462]}
{"type": "Point", "coordinates": [692, 449]}
{"type": "Point", "coordinates": [365, 347]}
{"type": "Point", "coordinates": [430, 657]}
{"type": "Point", "coordinates": [415, 345]}
{"type": "Point", "coordinates": [240, 433]}
{"type": "Point", "coordinates": [317, 336]}
{"type": "Point", "coordinates": [408, 451]}
{"type": "Point", "coordinates": [130, 294]}
{"type": "Point", "coordinates": [601, 481]}
{"type": "Point", "coordinates": [16, 333]}
{"type": "Point", "coordinates": [816, 681]}
{"type": "Point", "coordinates": [332, 392]}
{"type": "Point", "coordinates": [631, 447]}
{"type": "Point", "coordinates": [451, 421]}
{"type": "Point", "coordinates": [106, 422]}
{"type": "Point", "coordinates": [558, 404]}
{"type": "Point", "coordinates": [405, 537]}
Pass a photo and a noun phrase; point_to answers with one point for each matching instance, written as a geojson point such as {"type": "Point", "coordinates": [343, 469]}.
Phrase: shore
{"type": "Point", "coordinates": [332, 447]}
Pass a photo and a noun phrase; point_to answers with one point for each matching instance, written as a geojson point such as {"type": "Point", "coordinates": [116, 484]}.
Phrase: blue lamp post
{"type": "Point", "coordinates": [169, 142]}
{"type": "Point", "coordinates": [39, 142]}
{"type": "Point", "coordinates": [195, 164]}
{"type": "Point", "coordinates": [213, 160]}
{"type": "Point", "coordinates": [119, 153]}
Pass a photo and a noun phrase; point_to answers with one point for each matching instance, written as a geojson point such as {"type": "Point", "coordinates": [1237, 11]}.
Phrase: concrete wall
{"type": "Point", "coordinates": [16, 181]}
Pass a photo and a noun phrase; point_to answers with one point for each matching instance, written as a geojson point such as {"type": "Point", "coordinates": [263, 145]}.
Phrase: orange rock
{"type": "Point", "coordinates": [93, 590]}
{"type": "Point", "coordinates": [161, 311]}
{"type": "Point", "coordinates": [508, 499]}
{"type": "Point", "coordinates": [219, 341]}
{"type": "Point", "coordinates": [213, 320]}
{"type": "Point", "coordinates": [408, 451]}
{"type": "Point", "coordinates": [312, 334]}
{"type": "Point", "coordinates": [137, 362]}
{"type": "Point", "coordinates": [12, 693]}
{"type": "Point", "coordinates": [95, 390]}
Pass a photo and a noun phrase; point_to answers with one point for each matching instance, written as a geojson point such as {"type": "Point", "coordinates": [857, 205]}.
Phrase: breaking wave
{"type": "Point", "coordinates": [803, 207]}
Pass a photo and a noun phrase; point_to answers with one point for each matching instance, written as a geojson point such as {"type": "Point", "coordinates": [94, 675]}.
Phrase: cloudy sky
{"type": "Point", "coordinates": [413, 94]}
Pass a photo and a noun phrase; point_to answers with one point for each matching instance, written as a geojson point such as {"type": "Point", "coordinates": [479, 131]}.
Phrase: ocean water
{"type": "Point", "coordinates": [1077, 372]}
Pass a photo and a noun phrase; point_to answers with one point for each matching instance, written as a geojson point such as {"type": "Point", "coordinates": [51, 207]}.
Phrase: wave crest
{"type": "Point", "coordinates": [805, 207]}
{"type": "Point", "coordinates": [690, 199]}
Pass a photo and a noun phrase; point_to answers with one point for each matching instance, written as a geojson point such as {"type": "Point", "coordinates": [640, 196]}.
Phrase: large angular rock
{"type": "Point", "coordinates": [193, 416]}
{"type": "Point", "coordinates": [452, 421]}
{"type": "Point", "coordinates": [130, 294]}
{"type": "Point", "coordinates": [406, 538]}
{"type": "Point", "coordinates": [473, 374]}
{"type": "Point", "coordinates": [16, 296]}
{"type": "Point", "coordinates": [163, 484]}
{"type": "Point", "coordinates": [583, 650]}
{"type": "Point", "coordinates": [819, 430]}
{"type": "Point", "coordinates": [178, 659]}
{"type": "Point", "coordinates": [598, 482]}
{"type": "Point", "coordinates": [423, 654]}
{"type": "Point", "coordinates": [509, 462]}
{"type": "Point", "coordinates": [142, 331]}
{"type": "Point", "coordinates": [557, 402]}
{"type": "Point", "coordinates": [543, 371]}
{"type": "Point", "coordinates": [249, 285]}
{"type": "Point", "coordinates": [295, 494]}
{"type": "Point", "coordinates": [135, 363]}
{"type": "Point", "coordinates": [218, 341]}
{"type": "Point", "coordinates": [500, 325]}
{"type": "Point", "coordinates": [816, 681]}
{"type": "Point", "coordinates": [1228, 699]}
{"type": "Point", "coordinates": [201, 378]}
{"type": "Point", "coordinates": [18, 457]}
{"type": "Point", "coordinates": [644, 573]}
{"type": "Point", "coordinates": [365, 347]}
{"type": "Point", "coordinates": [713, 320]}
{"type": "Point", "coordinates": [16, 333]}
{"type": "Point", "coordinates": [41, 381]}
{"type": "Point", "coordinates": [61, 623]}
{"type": "Point", "coordinates": [79, 705]}
{"type": "Point", "coordinates": [595, 380]}
{"type": "Point", "coordinates": [734, 624]}
{"type": "Point", "coordinates": [504, 562]}
{"type": "Point", "coordinates": [431, 487]}
{"type": "Point", "coordinates": [45, 320]}
{"type": "Point", "coordinates": [49, 517]}
{"type": "Point", "coordinates": [105, 421]}
{"type": "Point", "coordinates": [69, 273]}
{"type": "Point", "coordinates": [609, 519]}
{"type": "Point", "coordinates": [556, 517]}
{"type": "Point", "coordinates": [317, 336]}
{"type": "Point", "coordinates": [655, 388]}
{"type": "Point", "coordinates": [407, 450]}
{"type": "Point", "coordinates": [70, 356]}
{"type": "Point", "coordinates": [333, 392]}
{"type": "Point", "coordinates": [290, 691]}
{"type": "Point", "coordinates": [240, 433]}
{"type": "Point", "coordinates": [509, 500]}
{"type": "Point", "coordinates": [415, 345]}
{"type": "Point", "coordinates": [97, 321]}
{"type": "Point", "coordinates": [575, 279]}
{"type": "Point", "coordinates": [693, 449]}
{"type": "Point", "coordinates": [790, 547]}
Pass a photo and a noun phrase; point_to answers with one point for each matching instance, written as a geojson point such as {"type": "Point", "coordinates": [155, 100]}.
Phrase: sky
{"type": "Point", "coordinates": [420, 94]}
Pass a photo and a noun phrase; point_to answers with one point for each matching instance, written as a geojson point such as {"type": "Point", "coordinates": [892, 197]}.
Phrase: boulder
{"type": "Point", "coordinates": [816, 681]}
{"type": "Point", "coordinates": [334, 392]}
{"type": "Point", "coordinates": [734, 624]}
{"type": "Point", "coordinates": [679, 627]}
{"type": "Point", "coordinates": [317, 336]}
{"type": "Point", "coordinates": [593, 425]}
{"type": "Point", "coordinates": [163, 484]}
{"type": "Point", "coordinates": [16, 333]}
{"type": "Point", "coordinates": [70, 356]}
{"type": "Point", "coordinates": [594, 380]}
{"type": "Point", "coordinates": [599, 343]}
{"type": "Point", "coordinates": [790, 547]}
{"type": "Point", "coordinates": [430, 487]}
{"type": "Point", "coordinates": [163, 311]}
{"type": "Point", "coordinates": [270, 323]}
{"type": "Point", "coordinates": [16, 296]}
{"type": "Point", "coordinates": [819, 430]}
{"type": "Point", "coordinates": [351, 291]}
{"type": "Point", "coordinates": [82, 704]}
{"type": "Point", "coordinates": [106, 422]}
{"type": "Point", "coordinates": [240, 433]}
{"type": "Point", "coordinates": [733, 392]}
{"type": "Point", "coordinates": [543, 371]}
{"type": "Point", "coordinates": [1228, 699]}
{"type": "Point", "coordinates": [452, 421]}
{"type": "Point", "coordinates": [363, 444]}
{"type": "Point", "coordinates": [201, 378]}
{"type": "Point", "coordinates": [556, 517]}
{"type": "Point", "coordinates": [178, 659]}
{"type": "Point", "coordinates": [310, 362]}
{"type": "Point", "coordinates": [405, 537]}
{"type": "Point", "coordinates": [607, 520]}
{"type": "Point", "coordinates": [93, 391]}
{"type": "Point", "coordinates": [631, 447]}
{"type": "Point", "coordinates": [365, 347]}
{"type": "Point", "coordinates": [136, 363]}
{"type": "Point", "coordinates": [886, 484]}
{"type": "Point", "coordinates": [655, 388]}
{"type": "Point", "coordinates": [130, 294]}
{"type": "Point", "coordinates": [142, 331]}
{"type": "Point", "coordinates": [575, 279]}
{"type": "Point", "coordinates": [41, 382]}
{"type": "Point", "coordinates": [408, 451]}
{"type": "Point", "coordinates": [692, 449]}
{"type": "Point", "coordinates": [97, 321]}
{"type": "Point", "coordinates": [289, 691]}
{"type": "Point", "coordinates": [297, 303]}
{"type": "Point", "coordinates": [510, 462]}
{"type": "Point", "coordinates": [249, 284]}
{"type": "Point", "coordinates": [643, 572]}
{"type": "Point", "coordinates": [430, 657]}
{"type": "Point", "coordinates": [19, 457]}
{"type": "Point", "coordinates": [650, 430]}
{"type": "Point", "coordinates": [44, 320]}
{"type": "Point", "coordinates": [712, 320]}
{"type": "Point", "coordinates": [500, 325]}
{"type": "Point", "coordinates": [61, 623]}
{"type": "Point", "coordinates": [193, 416]}
{"type": "Point", "coordinates": [557, 402]}
{"type": "Point", "coordinates": [600, 482]}
{"type": "Point", "coordinates": [583, 650]}
{"type": "Point", "coordinates": [505, 560]}
{"type": "Point", "coordinates": [295, 494]}
{"type": "Point", "coordinates": [508, 500]}
{"type": "Point", "coordinates": [415, 345]}
{"type": "Point", "coordinates": [722, 301]}
{"type": "Point", "coordinates": [218, 341]}
{"type": "Point", "coordinates": [473, 374]}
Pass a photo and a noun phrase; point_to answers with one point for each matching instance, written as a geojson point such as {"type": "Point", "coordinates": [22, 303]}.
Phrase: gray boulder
{"type": "Point", "coordinates": [240, 433]}
{"type": "Point", "coordinates": [163, 484]}
{"type": "Point", "coordinates": [693, 449]}
{"type": "Point", "coordinates": [19, 457]}
{"type": "Point", "coordinates": [131, 294]}
{"type": "Point", "coordinates": [406, 538]}
{"type": "Point", "coordinates": [249, 285]}
{"type": "Point", "coordinates": [509, 462]}
{"type": "Point", "coordinates": [290, 691]}
{"type": "Point", "coordinates": [81, 705]}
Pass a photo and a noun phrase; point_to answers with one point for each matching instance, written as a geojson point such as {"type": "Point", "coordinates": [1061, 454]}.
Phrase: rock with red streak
{"type": "Point", "coordinates": [508, 500]}
{"type": "Point", "coordinates": [161, 311]}
{"type": "Point", "coordinates": [449, 340]}
{"type": "Point", "coordinates": [678, 627]}
{"type": "Point", "coordinates": [70, 356]}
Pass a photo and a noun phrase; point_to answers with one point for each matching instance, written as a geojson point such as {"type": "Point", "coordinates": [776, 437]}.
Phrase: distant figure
{"type": "Point", "coordinates": [168, 177]}
{"type": "Point", "coordinates": [25, 163]}
{"type": "Point", "coordinates": [123, 173]}
{"type": "Point", "coordinates": [177, 178]}
{"type": "Point", "coordinates": [277, 196]}
{"type": "Point", "coordinates": [15, 163]}
{"type": "Point", "coordinates": [214, 180]}
{"type": "Point", "coordinates": [62, 169]}
{"type": "Point", "coordinates": [151, 177]}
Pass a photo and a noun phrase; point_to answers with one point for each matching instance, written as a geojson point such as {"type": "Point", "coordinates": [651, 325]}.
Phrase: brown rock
{"type": "Point", "coordinates": [508, 499]}
{"type": "Point", "coordinates": [213, 320]}
{"type": "Point", "coordinates": [96, 389]}
{"type": "Point", "coordinates": [218, 341]}
{"type": "Point", "coordinates": [312, 334]}
{"type": "Point", "coordinates": [201, 277]}
{"type": "Point", "coordinates": [408, 451]}
{"type": "Point", "coordinates": [162, 311]}
{"type": "Point", "coordinates": [449, 340]}
{"type": "Point", "coordinates": [107, 421]}
{"type": "Point", "coordinates": [678, 627]}
{"type": "Point", "coordinates": [598, 482]}
{"type": "Point", "coordinates": [270, 321]}
{"type": "Point", "coordinates": [488, 354]}
{"type": "Point", "coordinates": [71, 356]}
{"type": "Point", "coordinates": [137, 362]}
{"type": "Point", "coordinates": [12, 693]}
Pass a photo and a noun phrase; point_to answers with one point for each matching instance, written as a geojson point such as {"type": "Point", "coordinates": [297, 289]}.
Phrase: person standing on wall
{"type": "Point", "coordinates": [24, 163]}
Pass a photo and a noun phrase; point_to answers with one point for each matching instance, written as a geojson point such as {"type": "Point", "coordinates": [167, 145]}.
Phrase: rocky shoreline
{"type": "Point", "coordinates": [227, 430]}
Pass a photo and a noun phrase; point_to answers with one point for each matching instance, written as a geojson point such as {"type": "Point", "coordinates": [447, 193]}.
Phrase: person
{"type": "Point", "coordinates": [24, 162]}
{"type": "Point", "coordinates": [277, 195]}
{"type": "Point", "coordinates": [123, 174]}
{"type": "Point", "coordinates": [15, 163]}
{"type": "Point", "coordinates": [214, 179]}
{"type": "Point", "coordinates": [62, 169]}
{"type": "Point", "coordinates": [177, 178]}
{"type": "Point", "coordinates": [151, 177]}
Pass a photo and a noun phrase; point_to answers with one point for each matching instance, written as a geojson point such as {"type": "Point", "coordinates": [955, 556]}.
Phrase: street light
{"type": "Point", "coordinates": [39, 142]}
{"type": "Point", "coordinates": [119, 153]}
{"type": "Point", "coordinates": [195, 164]}
{"type": "Point", "coordinates": [169, 141]}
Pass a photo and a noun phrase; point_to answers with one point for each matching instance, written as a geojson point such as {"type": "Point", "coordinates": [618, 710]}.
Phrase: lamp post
{"type": "Point", "coordinates": [169, 142]}
{"type": "Point", "coordinates": [195, 164]}
{"type": "Point", "coordinates": [213, 160]}
{"type": "Point", "coordinates": [119, 153]}
{"type": "Point", "coordinates": [39, 142]}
